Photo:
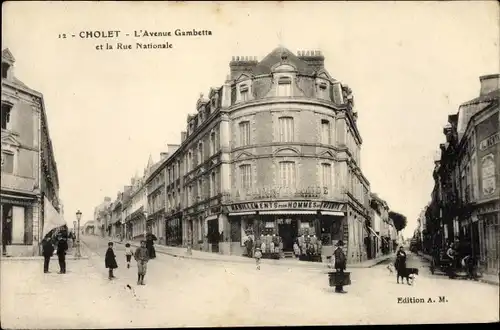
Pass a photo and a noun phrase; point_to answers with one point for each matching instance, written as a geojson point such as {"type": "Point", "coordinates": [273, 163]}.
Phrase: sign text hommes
{"type": "Point", "coordinates": [276, 205]}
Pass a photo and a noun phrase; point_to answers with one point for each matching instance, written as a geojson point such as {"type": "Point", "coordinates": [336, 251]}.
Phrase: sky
{"type": "Point", "coordinates": [409, 65]}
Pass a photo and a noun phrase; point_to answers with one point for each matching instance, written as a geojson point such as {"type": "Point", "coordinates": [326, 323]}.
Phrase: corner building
{"type": "Point", "coordinates": [274, 151]}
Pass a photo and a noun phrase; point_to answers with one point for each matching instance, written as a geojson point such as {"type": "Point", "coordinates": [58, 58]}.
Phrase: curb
{"type": "Point", "coordinates": [318, 265]}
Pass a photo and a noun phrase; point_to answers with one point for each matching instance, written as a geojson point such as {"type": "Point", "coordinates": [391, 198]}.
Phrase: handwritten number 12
{"type": "Point", "coordinates": [63, 36]}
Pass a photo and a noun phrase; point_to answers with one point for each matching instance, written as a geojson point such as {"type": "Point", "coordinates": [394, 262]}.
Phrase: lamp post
{"type": "Point", "coordinates": [78, 252]}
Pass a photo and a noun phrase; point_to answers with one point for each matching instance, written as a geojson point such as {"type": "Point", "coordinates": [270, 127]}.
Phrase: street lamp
{"type": "Point", "coordinates": [145, 223]}
{"type": "Point", "coordinates": [78, 217]}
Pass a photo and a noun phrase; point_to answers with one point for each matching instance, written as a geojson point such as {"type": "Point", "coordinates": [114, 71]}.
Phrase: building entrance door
{"type": "Point", "coordinates": [288, 233]}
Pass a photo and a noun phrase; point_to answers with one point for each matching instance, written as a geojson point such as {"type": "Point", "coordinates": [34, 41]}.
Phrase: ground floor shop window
{"type": "Point", "coordinates": [17, 224]}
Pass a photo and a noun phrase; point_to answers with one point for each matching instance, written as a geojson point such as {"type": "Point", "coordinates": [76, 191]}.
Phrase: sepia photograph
{"type": "Point", "coordinates": [173, 164]}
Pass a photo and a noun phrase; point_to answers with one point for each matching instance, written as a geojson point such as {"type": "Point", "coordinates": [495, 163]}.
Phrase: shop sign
{"type": "Point", "coordinates": [276, 191]}
{"type": "Point", "coordinates": [20, 202]}
{"type": "Point", "coordinates": [488, 174]}
{"type": "Point", "coordinates": [489, 142]}
{"type": "Point", "coordinates": [490, 208]}
{"type": "Point", "coordinates": [294, 205]}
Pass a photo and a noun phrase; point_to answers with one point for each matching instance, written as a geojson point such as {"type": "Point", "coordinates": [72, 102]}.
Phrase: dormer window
{"type": "Point", "coordinates": [244, 93]}
{"type": "Point", "coordinates": [285, 86]}
{"type": "Point", "coordinates": [5, 69]}
{"type": "Point", "coordinates": [6, 109]}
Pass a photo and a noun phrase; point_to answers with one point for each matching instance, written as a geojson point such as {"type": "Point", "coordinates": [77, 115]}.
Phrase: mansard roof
{"type": "Point", "coordinates": [275, 57]}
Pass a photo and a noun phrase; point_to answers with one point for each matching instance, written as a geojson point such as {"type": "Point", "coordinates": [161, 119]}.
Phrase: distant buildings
{"type": "Point", "coordinates": [465, 203]}
{"type": "Point", "coordinates": [384, 236]}
{"type": "Point", "coordinates": [29, 177]}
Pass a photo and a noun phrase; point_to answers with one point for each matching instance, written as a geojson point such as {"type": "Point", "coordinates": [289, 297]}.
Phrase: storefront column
{"type": "Point", "coordinates": [224, 228]}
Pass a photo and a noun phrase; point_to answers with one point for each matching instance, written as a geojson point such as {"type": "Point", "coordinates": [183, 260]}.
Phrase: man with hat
{"type": "Point", "coordinates": [340, 265]}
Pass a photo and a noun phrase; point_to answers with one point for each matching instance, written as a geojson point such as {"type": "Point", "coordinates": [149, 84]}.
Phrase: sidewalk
{"type": "Point", "coordinates": [181, 252]}
{"type": "Point", "coordinates": [70, 255]}
{"type": "Point", "coordinates": [486, 278]}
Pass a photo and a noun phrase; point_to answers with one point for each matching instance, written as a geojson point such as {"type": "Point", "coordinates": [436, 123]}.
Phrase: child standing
{"type": "Point", "coordinates": [142, 257]}
{"type": "Point", "coordinates": [128, 254]}
{"type": "Point", "coordinates": [258, 255]}
{"type": "Point", "coordinates": [110, 260]}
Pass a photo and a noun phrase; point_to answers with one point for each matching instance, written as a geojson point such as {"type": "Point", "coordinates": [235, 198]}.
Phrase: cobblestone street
{"type": "Point", "coordinates": [183, 292]}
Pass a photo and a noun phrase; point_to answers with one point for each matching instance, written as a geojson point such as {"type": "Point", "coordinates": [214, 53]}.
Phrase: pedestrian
{"type": "Point", "coordinates": [62, 247]}
{"type": "Point", "coordinates": [48, 252]}
{"type": "Point", "coordinates": [128, 254]}
{"type": "Point", "coordinates": [258, 256]}
{"type": "Point", "coordinates": [150, 238]}
{"type": "Point", "coordinates": [340, 266]}
{"type": "Point", "coordinates": [142, 258]}
{"type": "Point", "coordinates": [110, 260]}
{"type": "Point", "coordinates": [400, 264]}
{"type": "Point", "coordinates": [296, 249]}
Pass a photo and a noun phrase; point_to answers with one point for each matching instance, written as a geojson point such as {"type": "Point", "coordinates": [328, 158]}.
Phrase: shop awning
{"type": "Point", "coordinates": [374, 232]}
{"type": "Point", "coordinates": [287, 212]}
{"type": "Point", "coordinates": [336, 213]}
{"type": "Point", "coordinates": [211, 217]}
{"type": "Point", "coordinates": [241, 213]}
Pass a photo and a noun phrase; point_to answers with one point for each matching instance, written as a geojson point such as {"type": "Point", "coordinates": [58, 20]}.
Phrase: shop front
{"type": "Point", "coordinates": [278, 226]}
{"type": "Point", "coordinates": [18, 214]}
{"type": "Point", "coordinates": [488, 227]}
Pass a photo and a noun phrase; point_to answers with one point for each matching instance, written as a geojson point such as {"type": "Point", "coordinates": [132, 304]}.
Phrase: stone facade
{"type": "Point", "coordinates": [280, 134]}
{"type": "Point", "coordinates": [29, 171]}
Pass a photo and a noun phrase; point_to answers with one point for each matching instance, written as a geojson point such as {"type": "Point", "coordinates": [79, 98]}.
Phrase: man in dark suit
{"type": "Point", "coordinates": [62, 247]}
{"type": "Point", "coordinates": [48, 252]}
{"type": "Point", "coordinates": [340, 265]}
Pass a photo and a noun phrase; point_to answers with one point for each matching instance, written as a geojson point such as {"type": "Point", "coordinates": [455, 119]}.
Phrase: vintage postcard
{"type": "Point", "coordinates": [214, 164]}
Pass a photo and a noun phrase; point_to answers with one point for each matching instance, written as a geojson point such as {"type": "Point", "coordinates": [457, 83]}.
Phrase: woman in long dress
{"type": "Point", "coordinates": [400, 263]}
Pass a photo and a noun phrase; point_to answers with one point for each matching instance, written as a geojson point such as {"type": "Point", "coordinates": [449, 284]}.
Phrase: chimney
{"type": "Point", "coordinates": [241, 64]}
{"type": "Point", "coordinates": [107, 199]}
{"type": "Point", "coordinates": [183, 136]}
{"type": "Point", "coordinates": [489, 83]}
{"type": "Point", "coordinates": [172, 148]}
{"type": "Point", "coordinates": [314, 58]}
{"type": "Point", "coordinates": [163, 155]}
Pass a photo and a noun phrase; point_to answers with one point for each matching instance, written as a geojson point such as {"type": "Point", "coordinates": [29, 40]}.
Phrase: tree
{"type": "Point", "coordinates": [398, 219]}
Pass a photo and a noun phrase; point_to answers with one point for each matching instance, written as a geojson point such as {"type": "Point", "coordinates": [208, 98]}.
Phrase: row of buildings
{"type": "Point", "coordinates": [273, 151]}
{"type": "Point", "coordinates": [29, 177]}
{"type": "Point", "coordinates": [465, 201]}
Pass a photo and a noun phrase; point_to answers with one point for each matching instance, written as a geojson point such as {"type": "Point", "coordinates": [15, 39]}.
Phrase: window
{"type": "Point", "coordinates": [287, 174]}
{"type": "Point", "coordinates": [200, 188]}
{"type": "Point", "coordinates": [325, 132]}
{"type": "Point", "coordinates": [322, 91]}
{"type": "Point", "coordinates": [245, 176]}
{"type": "Point", "coordinates": [178, 169]}
{"type": "Point", "coordinates": [212, 143]}
{"type": "Point", "coordinates": [6, 108]}
{"type": "Point", "coordinates": [326, 170]}
{"type": "Point", "coordinates": [200, 153]}
{"type": "Point", "coordinates": [7, 162]}
{"type": "Point", "coordinates": [190, 161]}
{"type": "Point", "coordinates": [5, 69]}
{"type": "Point", "coordinates": [284, 86]}
{"type": "Point", "coordinates": [213, 190]}
{"type": "Point", "coordinates": [244, 133]}
{"type": "Point", "coordinates": [190, 194]}
{"type": "Point", "coordinates": [244, 93]}
{"type": "Point", "coordinates": [286, 129]}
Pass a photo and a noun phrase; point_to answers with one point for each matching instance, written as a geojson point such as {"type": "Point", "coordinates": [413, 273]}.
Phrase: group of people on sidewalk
{"type": "Point", "coordinates": [142, 255]}
{"type": "Point", "coordinates": [60, 240]}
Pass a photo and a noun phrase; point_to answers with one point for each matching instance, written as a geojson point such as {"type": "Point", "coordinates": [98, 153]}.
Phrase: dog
{"type": "Point", "coordinates": [408, 273]}
{"type": "Point", "coordinates": [391, 269]}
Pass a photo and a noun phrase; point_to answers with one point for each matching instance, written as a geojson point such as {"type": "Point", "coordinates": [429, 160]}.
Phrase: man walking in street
{"type": "Point", "coordinates": [48, 252]}
{"type": "Point", "coordinates": [340, 266]}
{"type": "Point", "coordinates": [62, 247]}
